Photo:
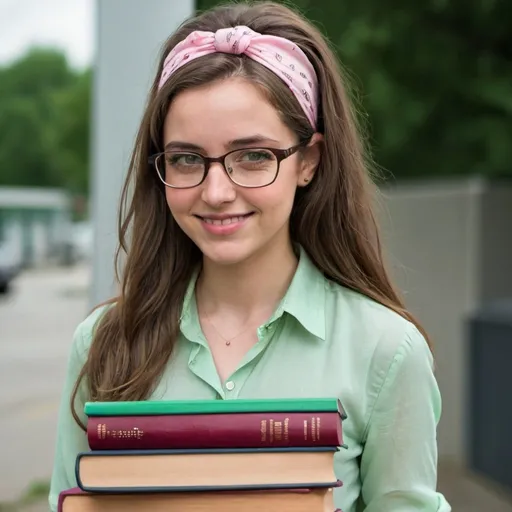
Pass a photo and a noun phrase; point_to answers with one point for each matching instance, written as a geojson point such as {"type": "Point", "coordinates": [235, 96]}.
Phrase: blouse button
{"type": "Point", "coordinates": [230, 385]}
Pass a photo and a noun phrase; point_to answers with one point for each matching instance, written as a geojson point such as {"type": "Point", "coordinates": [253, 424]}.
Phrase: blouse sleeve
{"type": "Point", "coordinates": [399, 459]}
{"type": "Point", "coordinates": [70, 439]}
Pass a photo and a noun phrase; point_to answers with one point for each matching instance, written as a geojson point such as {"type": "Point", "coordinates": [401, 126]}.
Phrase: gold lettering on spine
{"type": "Point", "coordinates": [101, 429]}
{"type": "Point", "coordinates": [278, 430]}
{"type": "Point", "coordinates": [313, 430]}
{"type": "Point", "coordinates": [263, 430]}
{"type": "Point", "coordinates": [305, 430]}
{"type": "Point", "coordinates": [133, 433]}
{"type": "Point", "coordinates": [318, 429]}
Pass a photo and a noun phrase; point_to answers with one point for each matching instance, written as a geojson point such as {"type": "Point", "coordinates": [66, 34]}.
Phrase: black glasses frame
{"type": "Point", "coordinates": [280, 154]}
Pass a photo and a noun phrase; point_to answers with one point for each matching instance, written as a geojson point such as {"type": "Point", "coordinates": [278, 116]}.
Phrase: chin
{"type": "Point", "coordinates": [227, 253]}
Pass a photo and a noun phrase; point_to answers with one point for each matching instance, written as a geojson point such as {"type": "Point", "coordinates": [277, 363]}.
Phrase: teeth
{"type": "Point", "coordinates": [223, 222]}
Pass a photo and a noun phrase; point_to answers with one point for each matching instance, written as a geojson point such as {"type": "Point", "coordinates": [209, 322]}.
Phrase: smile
{"type": "Point", "coordinates": [224, 222]}
{"type": "Point", "coordinates": [224, 225]}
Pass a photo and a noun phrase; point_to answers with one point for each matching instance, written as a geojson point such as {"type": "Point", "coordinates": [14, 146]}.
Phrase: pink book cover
{"type": "Point", "coordinates": [68, 492]}
{"type": "Point", "coordinates": [76, 490]}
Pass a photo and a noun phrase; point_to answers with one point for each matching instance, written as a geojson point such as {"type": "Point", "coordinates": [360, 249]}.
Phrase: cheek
{"type": "Point", "coordinates": [276, 199]}
{"type": "Point", "coordinates": [180, 201]}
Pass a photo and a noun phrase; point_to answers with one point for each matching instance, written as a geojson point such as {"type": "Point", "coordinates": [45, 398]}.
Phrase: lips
{"type": "Point", "coordinates": [223, 225]}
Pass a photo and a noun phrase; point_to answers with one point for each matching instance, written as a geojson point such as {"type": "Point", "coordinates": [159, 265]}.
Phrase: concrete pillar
{"type": "Point", "coordinates": [129, 34]}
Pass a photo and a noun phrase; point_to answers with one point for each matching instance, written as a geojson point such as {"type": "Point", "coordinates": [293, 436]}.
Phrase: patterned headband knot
{"type": "Point", "coordinates": [233, 40]}
{"type": "Point", "coordinates": [282, 56]}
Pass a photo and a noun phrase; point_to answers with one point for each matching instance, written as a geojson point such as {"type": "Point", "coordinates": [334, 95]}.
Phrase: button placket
{"type": "Point", "coordinates": [202, 366]}
{"type": "Point", "coordinates": [233, 387]}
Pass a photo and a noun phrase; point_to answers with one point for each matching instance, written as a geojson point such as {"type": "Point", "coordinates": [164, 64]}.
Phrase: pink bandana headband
{"type": "Point", "coordinates": [279, 55]}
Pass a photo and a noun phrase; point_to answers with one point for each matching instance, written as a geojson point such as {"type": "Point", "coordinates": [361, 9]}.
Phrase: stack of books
{"type": "Point", "coordinates": [208, 455]}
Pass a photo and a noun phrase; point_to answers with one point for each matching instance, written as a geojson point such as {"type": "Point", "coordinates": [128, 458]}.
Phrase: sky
{"type": "Point", "coordinates": [65, 24]}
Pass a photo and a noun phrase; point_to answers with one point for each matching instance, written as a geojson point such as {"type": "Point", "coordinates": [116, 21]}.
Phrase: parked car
{"type": "Point", "coordinates": [9, 268]}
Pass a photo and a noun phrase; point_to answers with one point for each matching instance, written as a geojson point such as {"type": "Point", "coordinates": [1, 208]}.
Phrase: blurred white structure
{"type": "Point", "coordinates": [450, 247]}
{"type": "Point", "coordinates": [129, 35]}
{"type": "Point", "coordinates": [35, 225]}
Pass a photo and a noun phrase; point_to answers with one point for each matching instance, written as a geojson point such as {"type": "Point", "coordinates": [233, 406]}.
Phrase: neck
{"type": "Point", "coordinates": [252, 287]}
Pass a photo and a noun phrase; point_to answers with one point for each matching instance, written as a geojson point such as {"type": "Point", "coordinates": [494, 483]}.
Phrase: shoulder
{"type": "Point", "coordinates": [375, 332]}
{"type": "Point", "coordinates": [84, 332]}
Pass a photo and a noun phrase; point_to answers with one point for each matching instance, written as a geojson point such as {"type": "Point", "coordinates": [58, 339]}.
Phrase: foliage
{"type": "Point", "coordinates": [432, 79]}
{"type": "Point", "coordinates": [44, 122]}
{"type": "Point", "coordinates": [37, 492]}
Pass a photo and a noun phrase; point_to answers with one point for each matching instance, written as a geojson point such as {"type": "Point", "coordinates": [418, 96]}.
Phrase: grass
{"type": "Point", "coordinates": [36, 491]}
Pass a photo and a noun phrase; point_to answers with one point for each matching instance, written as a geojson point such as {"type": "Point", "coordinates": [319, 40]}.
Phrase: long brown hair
{"type": "Point", "coordinates": [332, 218]}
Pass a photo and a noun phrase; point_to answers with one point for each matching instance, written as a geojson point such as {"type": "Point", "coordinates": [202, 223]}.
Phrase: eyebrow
{"type": "Point", "coordinates": [232, 144]}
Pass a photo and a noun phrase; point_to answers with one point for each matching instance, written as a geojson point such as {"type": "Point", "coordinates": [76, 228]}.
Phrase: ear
{"type": "Point", "coordinates": [310, 159]}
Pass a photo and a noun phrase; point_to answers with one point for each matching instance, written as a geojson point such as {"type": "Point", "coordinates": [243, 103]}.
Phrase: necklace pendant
{"type": "Point", "coordinates": [228, 343]}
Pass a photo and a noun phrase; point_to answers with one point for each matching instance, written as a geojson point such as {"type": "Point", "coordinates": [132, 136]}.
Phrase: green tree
{"type": "Point", "coordinates": [36, 76]}
{"type": "Point", "coordinates": [44, 122]}
{"type": "Point", "coordinates": [24, 158]}
{"type": "Point", "coordinates": [431, 80]}
{"type": "Point", "coordinates": [71, 133]}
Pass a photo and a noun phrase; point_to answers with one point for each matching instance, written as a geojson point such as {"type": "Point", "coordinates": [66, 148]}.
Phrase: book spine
{"type": "Point", "coordinates": [160, 407]}
{"type": "Point", "coordinates": [246, 430]}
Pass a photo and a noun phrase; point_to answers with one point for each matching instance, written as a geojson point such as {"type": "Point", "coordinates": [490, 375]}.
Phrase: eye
{"type": "Point", "coordinates": [257, 155]}
{"type": "Point", "coordinates": [185, 159]}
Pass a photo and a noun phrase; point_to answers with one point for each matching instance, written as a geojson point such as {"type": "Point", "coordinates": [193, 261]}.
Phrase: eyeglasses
{"type": "Point", "coordinates": [249, 168]}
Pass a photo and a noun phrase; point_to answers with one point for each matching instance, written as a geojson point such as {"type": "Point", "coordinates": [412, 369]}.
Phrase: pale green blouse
{"type": "Point", "coordinates": [323, 340]}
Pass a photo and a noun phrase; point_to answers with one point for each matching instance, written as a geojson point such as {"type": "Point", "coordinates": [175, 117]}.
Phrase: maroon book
{"type": "Point", "coordinates": [243, 430]}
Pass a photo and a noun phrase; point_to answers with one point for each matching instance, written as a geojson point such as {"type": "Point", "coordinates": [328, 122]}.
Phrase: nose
{"type": "Point", "coordinates": [217, 187]}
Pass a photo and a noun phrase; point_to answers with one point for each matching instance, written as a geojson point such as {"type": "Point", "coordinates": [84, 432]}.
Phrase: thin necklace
{"type": "Point", "coordinates": [226, 340]}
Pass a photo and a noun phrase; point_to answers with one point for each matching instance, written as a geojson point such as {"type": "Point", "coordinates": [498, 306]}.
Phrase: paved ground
{"type": "Point", "coordinates": [472, 493]}
{"type": "Point", "coordinates": [36, 326]}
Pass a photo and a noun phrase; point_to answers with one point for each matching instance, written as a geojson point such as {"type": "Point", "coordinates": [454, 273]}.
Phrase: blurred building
{"type": "Point", "coordinates": [35, 226]}
{"type": "Point", "coordinates": [449, 245]}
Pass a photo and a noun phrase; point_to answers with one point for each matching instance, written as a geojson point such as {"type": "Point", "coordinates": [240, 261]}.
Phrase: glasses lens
{"type": "Point", "coordinates": [252, 167]}
{"type": "Point", "coordinates": [179, 169]}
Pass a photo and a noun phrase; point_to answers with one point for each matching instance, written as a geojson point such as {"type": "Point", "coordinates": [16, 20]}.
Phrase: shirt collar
{"type": "Point", "coordinates": [189, 319]}
{"type": "Point", "coordinates": [304, 300]}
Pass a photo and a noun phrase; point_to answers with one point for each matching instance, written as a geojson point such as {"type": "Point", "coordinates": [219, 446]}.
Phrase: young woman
{"type": "Point", "coordinates": [253, 266]}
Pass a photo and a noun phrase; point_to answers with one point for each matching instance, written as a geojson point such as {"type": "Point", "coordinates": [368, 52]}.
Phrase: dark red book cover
{"type": "Point", "coordinates": [243, 430]}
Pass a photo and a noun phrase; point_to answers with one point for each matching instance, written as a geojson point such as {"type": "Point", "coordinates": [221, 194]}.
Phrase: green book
{"type": "Point", "coordinates": [150, 407]}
